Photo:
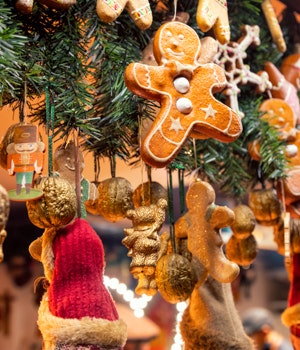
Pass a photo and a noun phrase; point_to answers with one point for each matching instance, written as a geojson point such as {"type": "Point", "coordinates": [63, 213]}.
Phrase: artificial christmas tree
{"type": "Point", "coordinates": [67, 69]}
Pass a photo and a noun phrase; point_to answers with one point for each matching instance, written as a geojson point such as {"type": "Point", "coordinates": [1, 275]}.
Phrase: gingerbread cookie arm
{"type": "Point", "coordinates": [214, 14]}
{"type": "Point", "coordinates": [137, 77]}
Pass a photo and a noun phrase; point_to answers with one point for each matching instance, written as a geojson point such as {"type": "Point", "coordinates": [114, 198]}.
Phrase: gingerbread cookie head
{"type": "Point", "coordinates": [175, 41]}
{"type": "Point", "coordinates": [204, 239]}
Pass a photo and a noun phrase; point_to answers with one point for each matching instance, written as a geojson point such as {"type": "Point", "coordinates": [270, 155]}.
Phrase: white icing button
{"type": "Point", "coordinates": [181, 85]}
{"type": "Point", "coordinates": [184, 105]}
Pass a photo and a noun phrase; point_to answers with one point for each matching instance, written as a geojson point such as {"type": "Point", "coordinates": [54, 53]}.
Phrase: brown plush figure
{"type": "Point", "coordinates": [143, 243]}
{"type": "Point", "coordinates": [211, 321]}
{"type": "Point", "coordinates": [204, 239]}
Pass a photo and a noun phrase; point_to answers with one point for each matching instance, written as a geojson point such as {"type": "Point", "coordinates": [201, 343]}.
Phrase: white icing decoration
{"type": "Point", "coordinates": [184, 105]}
{"type": "Point", "coordinates": [181, 85]}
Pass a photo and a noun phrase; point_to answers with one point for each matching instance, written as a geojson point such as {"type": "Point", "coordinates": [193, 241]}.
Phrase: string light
{"type": "Point", "coordinates": [139, 304]}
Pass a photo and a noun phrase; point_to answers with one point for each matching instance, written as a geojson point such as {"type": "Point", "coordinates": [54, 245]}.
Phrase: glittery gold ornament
{"type": "Point", "coordinates": [241, 251]}
{"type": "Point", "coordinates": [149, 193]}
{"type": "Point", "coordinates": [266, 206]}
{"type": "Point", "coordinates": [175, 278]}
{"type": "Point", "coordinates": [241, 247]}
{"type": "Point", "coordinates": [4, 212]}
{"type": "Point", "coordinates": [58, 205]}
{"type": "Point", "coordinates": [115, 198]}
{"type": "Point", "coordinates": [143, 243]}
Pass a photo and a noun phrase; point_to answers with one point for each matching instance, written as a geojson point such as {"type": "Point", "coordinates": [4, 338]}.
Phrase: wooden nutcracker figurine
{"type": "Point", "coordinates": [25, 156]}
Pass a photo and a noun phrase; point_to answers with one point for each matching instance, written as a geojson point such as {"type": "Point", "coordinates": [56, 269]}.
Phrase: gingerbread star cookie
{"type": "Point", "coordinates": [184, 88]}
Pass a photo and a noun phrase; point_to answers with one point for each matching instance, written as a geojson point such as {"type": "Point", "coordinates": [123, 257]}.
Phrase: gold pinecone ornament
{"type": "Point", "coordinates": [57, 207]}
{"type": "Point", "coordinates": [115, 198]}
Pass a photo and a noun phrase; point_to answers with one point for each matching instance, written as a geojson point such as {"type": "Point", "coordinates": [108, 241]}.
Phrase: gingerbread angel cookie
{"type": "Point", "coordinates": [184, 88]}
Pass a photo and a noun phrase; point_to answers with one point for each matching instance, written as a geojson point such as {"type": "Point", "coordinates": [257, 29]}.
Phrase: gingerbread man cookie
{"type": "Point", "coordinates": [214, 14]}
{"type": "Point", "coordinates": [205, 219]}
{"type": "Point", "coordinates": [184, 88]}
{"type": "Point", "coordinates": [139, 11]}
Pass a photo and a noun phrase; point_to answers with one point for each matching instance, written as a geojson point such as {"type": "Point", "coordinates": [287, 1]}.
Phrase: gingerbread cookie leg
{"type": "Point", "coordinates": [140, 12]}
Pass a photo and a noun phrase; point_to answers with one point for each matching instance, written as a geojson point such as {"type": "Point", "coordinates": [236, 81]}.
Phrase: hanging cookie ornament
{"type": "Point", "coordinates": [290, 68]}
{"type": "Point", "coordinates": [231, 58]}
{"type": "Point", "coordinates": [143, 243]}
{"type": "Point", "coordinates": [281, 116]}
{"type": "Point", "coordinates": [67, 160]}
{"type": "Point", "coordinates": [139, 10]}
{"type": "Point", "coordinates": [282, 88]}
{"type": "Point", "coordinates": [213, 14]}
{"type": "Point", "coordinates": [204, 220]}
{"type": "Point", "coordinates": [24, 158]}
{"type": "Point", "coordinates": [273, 25]}
{"type": "Point", "coordinates": [57, 207]}
{"type": "Point", "coordinates": [176, 83]}
{"type": "Point", "coordinates": [241, 247]}
{"type": "Point", "coordinates": [4, 212]}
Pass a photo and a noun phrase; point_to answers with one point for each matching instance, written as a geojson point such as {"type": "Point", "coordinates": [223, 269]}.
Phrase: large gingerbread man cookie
{"type": "Point", "coordinates": [184, 88]}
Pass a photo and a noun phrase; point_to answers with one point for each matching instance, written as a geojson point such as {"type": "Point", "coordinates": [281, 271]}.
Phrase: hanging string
{"type": "Point", "coordinates": [181, 188]}
{"type": "Point", "coordinates": [113, 165]}
{"type": "Point", "coordinates": [23, 103]}
{"type": "Point", "coordinates": [50, 112]}
{"type": "Point", "coordinates": [171, 209]}
{"type": "Point", "coordinates": [96, 168]}
{"type": "Point", "coordinates": [77, 173]}
{"type": "Point", "coordinates": [175, 10]}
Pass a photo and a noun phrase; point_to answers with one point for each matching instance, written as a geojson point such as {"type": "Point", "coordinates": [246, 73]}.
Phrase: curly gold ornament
{"type": "Point", "coordinates": [57, 207]}
{"type": "Point", "coordinates": [143, 243]}
{"type": "Point", "coordinates": [114, 198]}
{"type": "Point", "coordinates": [4, 212]}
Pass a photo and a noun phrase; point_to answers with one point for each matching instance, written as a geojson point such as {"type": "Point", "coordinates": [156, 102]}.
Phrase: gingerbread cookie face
{"type": "Point", "coordinates": [176, 83]}
{"type": "Point", "coordinates": [214, 14]}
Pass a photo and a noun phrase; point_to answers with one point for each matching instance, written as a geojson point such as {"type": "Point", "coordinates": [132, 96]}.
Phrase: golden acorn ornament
{"type": "Point", "coordinates": [4, 212]}
{"type": "Point", "coordinates": [149, 193]}
{"type": "Point", "coordinates": [57, 207]}
{"type": "Point", "coordinates": [266, 206]}
{"type": "Point", "coordinates": [114, 198]}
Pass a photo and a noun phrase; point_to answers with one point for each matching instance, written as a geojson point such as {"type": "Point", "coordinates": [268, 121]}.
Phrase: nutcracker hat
{"type": "Point", "coordinates": [77, 309]}
{"type": "Point", "coordinates": [26, 133]}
